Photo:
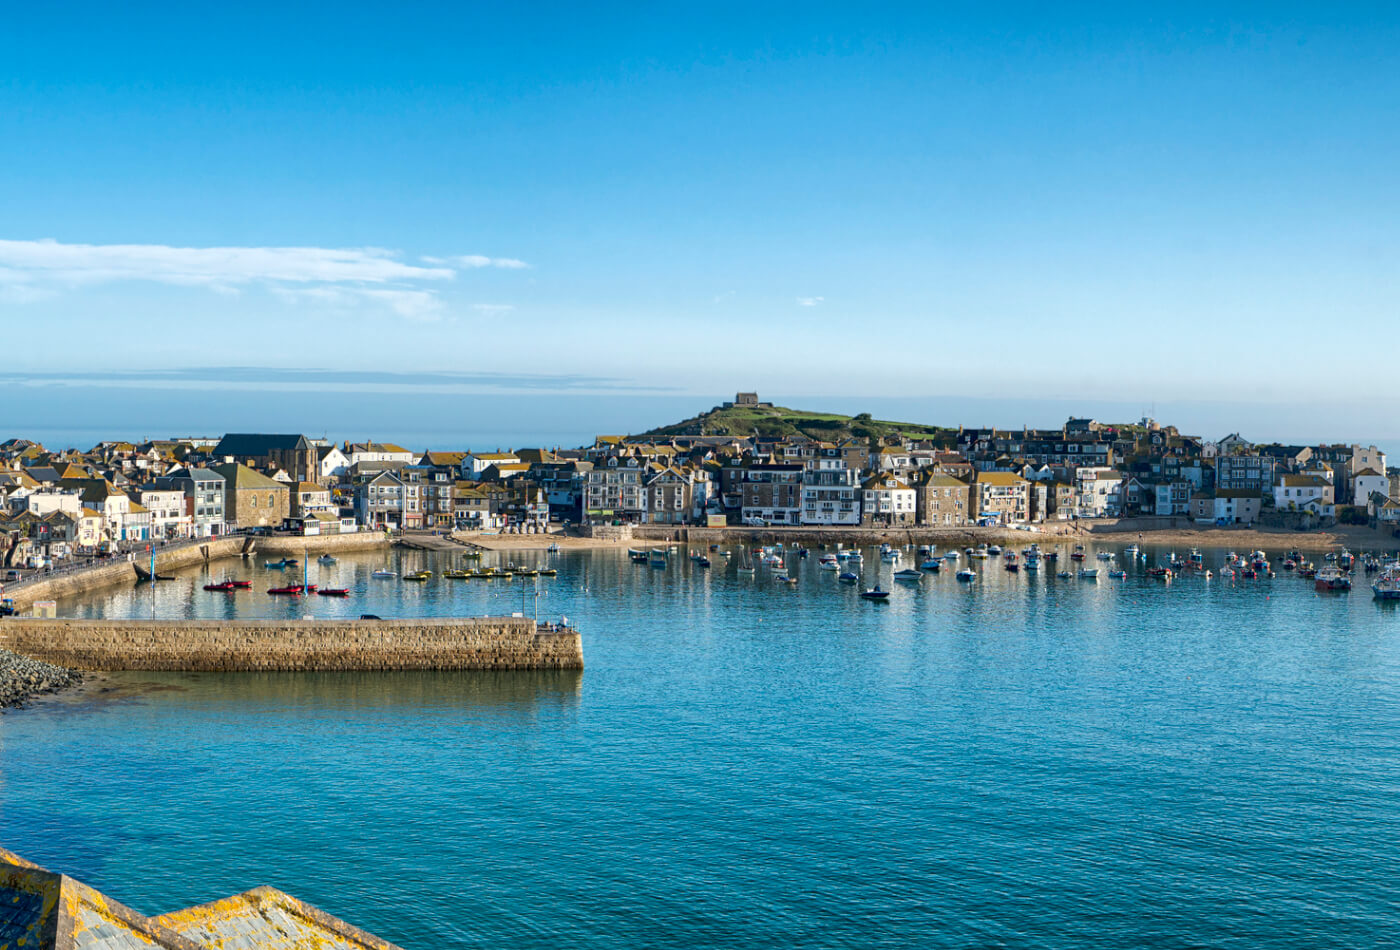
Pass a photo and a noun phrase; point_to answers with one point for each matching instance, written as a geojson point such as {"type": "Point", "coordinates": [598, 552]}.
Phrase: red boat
{"type": "Point", "coordinates": [227, 587]}
{"type": "Point", "coordinates": [241, 585]}
{"type": "Point", "coordinates": [294, 590]}
{"type": "Point", "coordinates": [334, 592]}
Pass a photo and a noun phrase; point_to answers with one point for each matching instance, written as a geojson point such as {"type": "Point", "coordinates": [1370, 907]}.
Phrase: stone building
{"type": "Point", "coordinates": [941, 499]}
{"type": "Point", "coordinates": [294, 454]}
{"type": "Point", "coordinates": [251, 499]}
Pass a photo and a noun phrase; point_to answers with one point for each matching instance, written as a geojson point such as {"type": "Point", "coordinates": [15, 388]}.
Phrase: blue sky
{"type": "Point", "coordinates": [1038, 205]}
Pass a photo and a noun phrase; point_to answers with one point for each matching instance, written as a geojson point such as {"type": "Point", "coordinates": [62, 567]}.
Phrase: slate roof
{"type": "Point", "coordinates": [259, 444]}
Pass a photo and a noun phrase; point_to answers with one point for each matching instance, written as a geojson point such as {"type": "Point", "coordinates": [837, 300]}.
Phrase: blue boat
{"type": "Point", "coordinates": [279, 565]}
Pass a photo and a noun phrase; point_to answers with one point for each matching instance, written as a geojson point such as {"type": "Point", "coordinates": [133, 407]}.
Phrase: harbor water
{"type": "Point", "coordinates": [1018, 761]}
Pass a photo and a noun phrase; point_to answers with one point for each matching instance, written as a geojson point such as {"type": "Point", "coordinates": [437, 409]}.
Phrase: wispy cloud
{"type": "Point", "coordinates": [33, 270]}
{"type": "Point", "coordinates": [480, 260]}
{"type": "Point", "coordinates": [809, 301]}
{"type": "Point", "coordinates": [493, 307]}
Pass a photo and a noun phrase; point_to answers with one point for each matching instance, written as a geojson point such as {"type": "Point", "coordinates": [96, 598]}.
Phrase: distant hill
{"type": "Point", "coordinates": [780, 421]}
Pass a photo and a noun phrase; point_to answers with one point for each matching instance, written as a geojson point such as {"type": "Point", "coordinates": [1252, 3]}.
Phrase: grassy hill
{"type": "Point", "coordinates": [780, 421]}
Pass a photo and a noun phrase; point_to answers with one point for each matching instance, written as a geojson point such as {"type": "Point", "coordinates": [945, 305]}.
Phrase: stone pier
{"type": "Point", "coordinates": [468, 643]}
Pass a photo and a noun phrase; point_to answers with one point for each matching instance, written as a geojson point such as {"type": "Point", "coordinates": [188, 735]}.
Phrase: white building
{"type": "Point", "coordinates": [887, 500]}
{"type": "Point", "coordinates": [830, 493]}
{"type": "Point", "coordinates": [474, 463]}
{"type": "Point", "coordinates": [378, 452]}
{"type": "Point", "coordinates": [1368, 482]}
{"type": "Point", "coordinates": [1295, 492]}
{"type": "Point", "coordinates": [1097, 492]}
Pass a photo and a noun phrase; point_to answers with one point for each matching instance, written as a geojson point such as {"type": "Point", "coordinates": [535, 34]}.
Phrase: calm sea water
{"type": "Point", "coordinates": [1019, 762]}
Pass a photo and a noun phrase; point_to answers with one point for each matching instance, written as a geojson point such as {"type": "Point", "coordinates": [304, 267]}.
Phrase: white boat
{"type": "Point", "coordinates": [326, 559]}
{"type": "Point", "coordinates": [1089, 573]}
{"type": "Point", "coordinates": [828, 563]}
{"type": "Point", "coordinates": [909, 574]}
{"type": "Point", "coordinates": [383, 572]}
{"type": "Point", "coordinates": [967, 574]}
{"type": "Point", "coordinates": [951, 556]}
{"type": "Point", "coordinates": [1131, 549]}
{"type": "Point", "coordinates": [1104, 555]}
{"type": "Point", "coordinates": [890, 557]}
{"type": "Point", "coordinates": [981, 553]}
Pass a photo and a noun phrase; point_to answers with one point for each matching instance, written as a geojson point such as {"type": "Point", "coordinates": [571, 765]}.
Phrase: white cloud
{"type": "Point", "coordinates": [809, 301]}
{"type": "Point", "coordinates": [341, 277]}
{"type": "Point", "coordinates": [481, 260]}
{"type": "Point", "coordinates": [50, 260]}
{"type": "Point", "coordinates": [493, 307]}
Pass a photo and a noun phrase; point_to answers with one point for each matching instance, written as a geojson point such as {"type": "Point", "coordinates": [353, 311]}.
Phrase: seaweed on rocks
{"type": "Point", "coordinates": [22, 678]}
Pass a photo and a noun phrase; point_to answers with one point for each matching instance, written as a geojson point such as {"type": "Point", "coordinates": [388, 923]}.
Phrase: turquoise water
{"type": "Point", "coordinates": [1020, 762]}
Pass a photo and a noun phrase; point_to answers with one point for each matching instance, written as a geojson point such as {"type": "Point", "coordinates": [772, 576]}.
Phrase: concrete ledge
{"type": "Point", "coordinates": [469, 643]}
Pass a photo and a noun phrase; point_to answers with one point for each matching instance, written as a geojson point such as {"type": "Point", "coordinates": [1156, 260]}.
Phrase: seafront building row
{"type": "Point", "coordinates": [57, 504]}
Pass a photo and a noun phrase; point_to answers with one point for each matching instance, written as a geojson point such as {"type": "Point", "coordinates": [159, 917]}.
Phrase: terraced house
{"type": "Point", "coordinates": [251, 499]}
{"type": "Point", "coordinates": [940, 499]}
{"type": "Point", "coordinates": [1001, 498]}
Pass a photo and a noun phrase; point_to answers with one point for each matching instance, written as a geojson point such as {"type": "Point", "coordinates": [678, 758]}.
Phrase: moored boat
{"type": "Point", "coordinates": [875, 593]}
{"type": "Point", "coordinates": [383, 572]}
{"type": "Point", "coordinates": [909, 574]}
{"type": "Point", "coordinates": [333, 592]}
{"type": "Point", "coordinates": [1332, 578]}
{"type": "Point", "coordinates": [291, 590]}
{"type": "Point", "coordinates": [1386, 586]}
{"type": "Point", "coordinates": [967, 574]}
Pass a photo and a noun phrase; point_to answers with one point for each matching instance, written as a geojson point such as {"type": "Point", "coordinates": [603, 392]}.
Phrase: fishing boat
{"type": "Point", "coordinates": [657, 559]}
{"type": "Point", "coordinates": [1332, 578]}
{"type": "Point", "coordinates": [292, 590]}
{"type": "Point", "coordinates": [1118, 575]}
{"type": "Point", "coordinates": [857, 557]}
{"type": "Point", "coordinates": [638, 557]}
{"type": "Point", "coordinates": [1065, 575]}
{"type": "Point", "coordinates": [1160, 572]}
{"type": "Point", "coordinates": [418, 576]}
{"type": "Point", "coordinates": [1131, 549]}
{"type": "Point", "coordinates": [457, 574]}
{"type": "Point", "coordinates": [1051, 555]}
{"type": "Point", "coordinates": [909, 574]}
{"type": "Point", "coordinates": [966, 574]}
{"type": "Point", "coordinates": [1386, 586]}
{"type": "Point", "coordinates": [1032, 560]}
{"type": "Point", "coordinates": [383, 572]}
{"type": "Point", "coordinates": [702, 561]}
{"type": "Point", "coordinates": [1089, 573]}
{"type": "Point", "coordinates": [848, 577]}
{"type": "Point", "coordinates": [326, 559]}
{"type": "Point", "coordinates": [333, 592]}
{"type": "Point", "coordinates": [828, 562]}
{"type": "Point", "coordinates": [746, 567]}
{"type": "Point", "coordinates": [1011, 562]}
{"type": "Point", "coordinates": [875, 593]}
{"type": "Point", "coordinates": [1078, 553]}
{"type": "Point", "coordinates": [981, 553]}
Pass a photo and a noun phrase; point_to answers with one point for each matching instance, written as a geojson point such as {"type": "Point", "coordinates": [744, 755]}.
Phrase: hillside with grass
{"type": "Point", "coordinates": [774, 421]}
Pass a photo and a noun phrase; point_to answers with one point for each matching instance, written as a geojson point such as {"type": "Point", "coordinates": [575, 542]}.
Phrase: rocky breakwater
{"type": "Point", "coordinates": [466, 643]}
{"type": "Point", "coordinates": [22, 678]}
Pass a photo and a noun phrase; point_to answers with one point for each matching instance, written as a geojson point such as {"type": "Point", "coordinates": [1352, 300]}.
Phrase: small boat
{"type": "Point", "coordinates": [981, 553]}
{"type": "Point", "coordinates": [1051, 555]}
{"type": "Point", "coordinates": [1164, 573]}
{"type": "Point", "coordinates": [994, 549]}
{"type": "Point", "coordinates": [951, 556]}
{"type": "Point", "coordinates": [657, 559]}
{"type": "Point", "coordinates": [908, 574]}
{"type": "Point", "coordinates": [1118, 575]}
{"type": "Point", "coordinates": [1386, 586]}
{"type": "Point", "coordinates": [1104, 555]}
{"type": "Point", "coordinates": [548, 572]}
{"type": "Point", "coordinates": [226, 587]}
{"type": "Point", "coordinates": [1131, 549]}
{"type": "Point", "coordinates": [1010, 562]}
{"type": "Point", "coordinates": [828, 562]}
{"type": "Point", "coordinates": [933, 565]}
{"type": "Point", "coordinates": [333, 592]}
{"type": "Point", "coordinates": [702, 561]}
{"type": "Point", "coordinates": [1307, 571]}
{"type": "Point", "coordinates": [326, 559]}
{"type": "Point", "coordinates": [787, 580]}
{"type": "Point", "coordinates": [279, 565]}
{"type": "Point", "coordinates": [1078, 553]}
{"type": "Point", "coordinates": [638, 557]}
{"type": "Point", "coordinates": [554, 548]}
{"type": "Point", "coordinates": [383, 572]}
{"type": "Point", "coordinates": [848, 577]}
{"type": "Point", "coordinates": [966, 574]}
{"type": "Point", "coordinates": [1332, 578]}
{"type": "Point", "coordinates": [857, 557]}
{"type": "Point", "coordinates": [1089, 573]}
{"type": "Point", "coordinates": [293, 590]}
{"type": "Point", "coordinates": [418, 576]}
{"type": "Point", "coordinates": [891, 556]}
{"type": "Point", "coordinates": [457, 575]}
{"type": "Point", "coordinates": [1065, 575]}
{"type": "Point", "coordinates": [1345, 560]}
{"type": "Point", "coordinates": [875, 593]}
{"type": "Point", "coordinates": [241, 585]}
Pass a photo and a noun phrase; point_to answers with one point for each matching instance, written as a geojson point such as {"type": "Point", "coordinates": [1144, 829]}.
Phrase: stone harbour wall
{"type": "Point", "coordinates": [469, 643]}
